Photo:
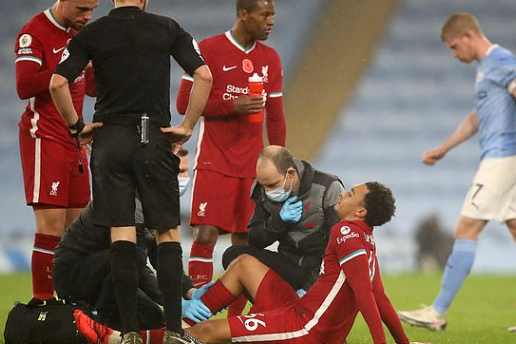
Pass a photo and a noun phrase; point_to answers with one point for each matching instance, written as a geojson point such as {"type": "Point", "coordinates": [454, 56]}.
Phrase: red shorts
{"type": "Point", "coordinates": [51, 175]}
{"type": "Point", "coordinates": [221, 201]}
{"type": "Point", "coordinates": [280, 323]}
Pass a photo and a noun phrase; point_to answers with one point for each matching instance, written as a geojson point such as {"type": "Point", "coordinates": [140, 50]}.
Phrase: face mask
{"type": "Point", "coordinates": [183, 185]}
{"type": "Point", "coordinates": [279, 194]}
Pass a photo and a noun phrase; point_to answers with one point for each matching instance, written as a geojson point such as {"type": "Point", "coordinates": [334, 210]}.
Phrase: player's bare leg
{"type": "Point", "coordinates": [211, 331]}
{"type": "Point", "coordinates": [244, 273]}
{"type": "Point", "coordinates": [511, 224]}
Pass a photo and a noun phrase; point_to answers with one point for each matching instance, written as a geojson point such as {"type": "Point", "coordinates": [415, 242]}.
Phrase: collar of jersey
{"type": "Point", "coordinates": [491, 48]}
{"type": "Point", "coordinates": [229, 35]}
{"type": "Point", "coordinates": [54, 21]}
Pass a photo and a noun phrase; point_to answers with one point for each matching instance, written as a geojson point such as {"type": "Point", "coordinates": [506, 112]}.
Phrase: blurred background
{"type": "Point", "coordinates": [368, 88]}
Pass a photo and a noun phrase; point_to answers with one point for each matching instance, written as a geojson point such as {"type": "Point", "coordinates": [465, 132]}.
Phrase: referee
{"type": "Point", "coordinates": [130, 51]}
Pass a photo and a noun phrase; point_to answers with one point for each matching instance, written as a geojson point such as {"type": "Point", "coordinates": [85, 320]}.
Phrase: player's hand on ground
{"type": "Point", "coordinates": [86, 135]}
{"type": "Point", "coordinates": [432, 156]}
{"type": "Point", "coordinates": [248, 104]}
{"type": "Point", "coordinates": [291, 211]}
{"type": "Point", "coordinates": [196, 295]}
{"type": "Point", "coordinates": [179, 134]}
{"type": "Point", "coordinates": [195, 310]}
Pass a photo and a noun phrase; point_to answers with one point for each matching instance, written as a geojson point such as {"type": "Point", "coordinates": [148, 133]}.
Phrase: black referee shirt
{"type": "Point", "coordinates": [130, 50]}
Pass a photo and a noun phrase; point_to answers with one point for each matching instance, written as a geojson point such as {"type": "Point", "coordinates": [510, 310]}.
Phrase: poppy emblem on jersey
{"type": "Point", "coordinates": [345, 230]}
{"type": "Point", "coordinates": [25, 40]}
{"type": "Point", "coordinates": [247, 66]}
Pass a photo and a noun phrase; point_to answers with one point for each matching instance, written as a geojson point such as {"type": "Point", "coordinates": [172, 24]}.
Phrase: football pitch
{"type": "Point", "coordinates": [481, 313]}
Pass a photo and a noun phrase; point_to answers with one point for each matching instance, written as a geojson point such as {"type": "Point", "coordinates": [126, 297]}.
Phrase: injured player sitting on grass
{"type": "Point", "coordinates": [349, 282]}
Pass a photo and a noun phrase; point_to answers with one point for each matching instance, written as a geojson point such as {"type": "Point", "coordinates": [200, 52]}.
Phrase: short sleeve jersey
{"type": "Point", "coordinates": [230, 145]}
{"type": "Point", "coordinates": [329, 306]}
{"type": "Point", "coordinates": [130, 50]}
{"type": "Point", "coordinates": [496, 107]}
{"type": "Point", "coordinates": [42, 40]}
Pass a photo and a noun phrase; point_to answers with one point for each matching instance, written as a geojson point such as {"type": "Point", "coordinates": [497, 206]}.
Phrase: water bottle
{"type": "Point", "coordinates": [256, 89]}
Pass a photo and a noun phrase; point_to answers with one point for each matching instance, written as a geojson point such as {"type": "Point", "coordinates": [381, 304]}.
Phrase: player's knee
{"type": "Point", "coordinates": [468, 229]}
{"type": "Point", "coordinates": [244, 262]}
{"type": "Point", "coordinates": [206, 235]}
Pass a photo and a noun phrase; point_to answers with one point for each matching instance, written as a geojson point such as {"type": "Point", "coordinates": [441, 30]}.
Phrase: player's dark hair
{"type": "Point", "coordinates": [247, 5]}
{"type": "Point", "coordinates": [280, 157]}
{"type": "Point", "coordinates": [379, 203]}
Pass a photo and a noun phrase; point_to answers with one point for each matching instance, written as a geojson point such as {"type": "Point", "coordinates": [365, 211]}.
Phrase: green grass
{"type": "Point", "coordinates": [480, 314]}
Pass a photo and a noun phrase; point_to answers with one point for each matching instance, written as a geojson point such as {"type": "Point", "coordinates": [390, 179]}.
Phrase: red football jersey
{"type": "Point", "coordinates": [43, 40]}
{"type": "Point", "coordinates": [228, 142]}
{"type": "Point", "coordinates": [331, 305]}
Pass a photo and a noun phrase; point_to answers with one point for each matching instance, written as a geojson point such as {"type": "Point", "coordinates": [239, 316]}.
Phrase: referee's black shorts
{"type": "Point", "coordinates": [120, 165]}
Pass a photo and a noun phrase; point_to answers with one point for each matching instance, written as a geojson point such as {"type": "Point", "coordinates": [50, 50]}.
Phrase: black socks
{"type": "Point", "coordinates": [124, 274]}
{"type": "Point", "coordinates": [170, 274]}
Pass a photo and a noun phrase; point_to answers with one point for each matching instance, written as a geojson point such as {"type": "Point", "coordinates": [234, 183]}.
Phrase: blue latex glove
{"type": "Point", "coordinates": [196, 295]}
{"type": "Point", "coordinates": [195, 310]}
{"type": "Point", "coordinates": [301, 293]}
{"type": "Point", "coordinates": [291, 211]}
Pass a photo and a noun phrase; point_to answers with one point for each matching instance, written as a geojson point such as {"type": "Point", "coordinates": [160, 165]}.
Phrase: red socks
{"type": "Point", "coordinates": [42, 256]}
{"type": "Point", "coordinates": [153, 336]}
{"type": "Point", "coordinates": [217, 297]}
{"type": "Point", "coordinates": [200, 264]}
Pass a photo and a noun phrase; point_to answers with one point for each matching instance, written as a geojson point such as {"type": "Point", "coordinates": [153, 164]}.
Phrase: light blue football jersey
{"type": "Point", "coordinates": [496, 107]}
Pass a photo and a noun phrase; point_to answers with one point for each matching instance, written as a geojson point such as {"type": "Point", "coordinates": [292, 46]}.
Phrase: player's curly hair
{"type": "Point", "coordinates": [379, 203]}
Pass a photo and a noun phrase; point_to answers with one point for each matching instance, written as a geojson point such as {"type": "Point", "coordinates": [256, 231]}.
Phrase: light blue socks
{"type": "Point", "coordinates": [457, 269]}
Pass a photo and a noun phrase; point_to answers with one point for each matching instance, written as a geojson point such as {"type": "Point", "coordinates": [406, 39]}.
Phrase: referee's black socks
{"type": "Point", "coordinates": [124, 274]}
{"type": "Point", "coordinates": [170, 274]}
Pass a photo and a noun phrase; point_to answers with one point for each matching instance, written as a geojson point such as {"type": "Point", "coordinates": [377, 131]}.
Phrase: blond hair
{"type": "Point", "coordinates": [458, 24]}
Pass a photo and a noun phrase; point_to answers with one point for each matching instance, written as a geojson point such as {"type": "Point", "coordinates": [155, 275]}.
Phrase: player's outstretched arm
{"type": "Point", "coordinates": [357, 274]}
{"type": "Point", "coordinates": [387, 312]}
{"type": "Point", "coordinates": [467, 128]}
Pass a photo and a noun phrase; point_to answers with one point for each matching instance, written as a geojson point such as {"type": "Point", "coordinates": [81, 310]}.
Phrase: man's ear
{"type": "Point", "coordinates": [243, 14]}
{"type": "Point", "coordinates": [361, 212]}
{"type": "Point", "coordinates": [469, 34]}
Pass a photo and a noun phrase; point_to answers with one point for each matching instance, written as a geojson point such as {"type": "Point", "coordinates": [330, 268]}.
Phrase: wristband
{"type": "Point", "coordinates": [78, 126]}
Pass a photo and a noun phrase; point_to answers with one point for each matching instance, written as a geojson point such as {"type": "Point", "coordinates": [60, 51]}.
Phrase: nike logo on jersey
{"type": "Point", "coordinates": [57, 50]}
{"type": "Point", "coordinates": [225, 69]}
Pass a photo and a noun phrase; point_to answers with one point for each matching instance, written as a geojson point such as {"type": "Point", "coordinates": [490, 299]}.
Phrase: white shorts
{"type": "Point", "coordinates": [492, 195]}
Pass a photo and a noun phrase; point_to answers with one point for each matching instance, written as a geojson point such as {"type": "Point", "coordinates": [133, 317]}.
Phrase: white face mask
{"type": "Point", "coordinates": [279, 194]}
{"type": "Point", "coordinates": [183, 185]}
